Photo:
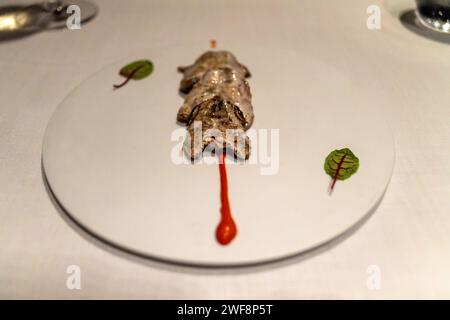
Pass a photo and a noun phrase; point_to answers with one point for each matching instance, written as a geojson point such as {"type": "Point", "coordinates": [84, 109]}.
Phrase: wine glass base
{"type": "Point", "coordinates": [434, 24]}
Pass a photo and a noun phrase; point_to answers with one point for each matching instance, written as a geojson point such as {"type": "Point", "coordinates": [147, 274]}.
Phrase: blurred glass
{"type": "Point", "coordinates": [434, 14]}
{"type": "Point", "coordinates": [22, 20]}
{"type": "Point", "coordinates": [16, 21]}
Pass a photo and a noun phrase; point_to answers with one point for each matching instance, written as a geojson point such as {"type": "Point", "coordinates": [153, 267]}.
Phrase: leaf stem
{"type": "Point", "coordinates": [130, 76]}
{"type": "Point", "coordinates": [336, 174]}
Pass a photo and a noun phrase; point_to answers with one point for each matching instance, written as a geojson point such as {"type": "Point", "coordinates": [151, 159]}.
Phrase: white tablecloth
{"type": "Point", "coordinates": [407, 239]}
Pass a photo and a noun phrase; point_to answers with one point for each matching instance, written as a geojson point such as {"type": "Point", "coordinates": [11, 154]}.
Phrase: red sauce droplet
{"type": "Point", "coordinates": [226, 230]}
{"type": "Point", "coordinates": [213, 44]}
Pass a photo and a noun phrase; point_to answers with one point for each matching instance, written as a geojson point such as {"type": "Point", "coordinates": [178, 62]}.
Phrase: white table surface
{"type": "Point", "coordinates": [408, 237]}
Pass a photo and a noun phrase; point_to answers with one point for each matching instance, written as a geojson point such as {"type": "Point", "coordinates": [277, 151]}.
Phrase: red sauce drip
{"type": "Point", "coordinates": [213, 44]}
{"type": "Point", "coordinates": [226, 230]}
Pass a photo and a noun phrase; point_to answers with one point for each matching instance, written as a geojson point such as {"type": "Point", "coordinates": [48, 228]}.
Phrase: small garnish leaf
{"type": "Point", "coordinates": [137, 70]}
{"type": "Point", "coordinates": [340, 165]}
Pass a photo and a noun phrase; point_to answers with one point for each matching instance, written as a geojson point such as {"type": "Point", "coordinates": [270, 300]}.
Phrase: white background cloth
{"type": "Point", "coordinates": [408, 238]}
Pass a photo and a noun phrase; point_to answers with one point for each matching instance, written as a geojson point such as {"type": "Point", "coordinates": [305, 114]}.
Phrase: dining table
{"type": "Point", "coordinates": [402, 251]}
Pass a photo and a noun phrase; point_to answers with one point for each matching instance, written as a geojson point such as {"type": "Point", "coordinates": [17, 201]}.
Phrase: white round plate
{"type": "Point", "coordinates": [107, 158]}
